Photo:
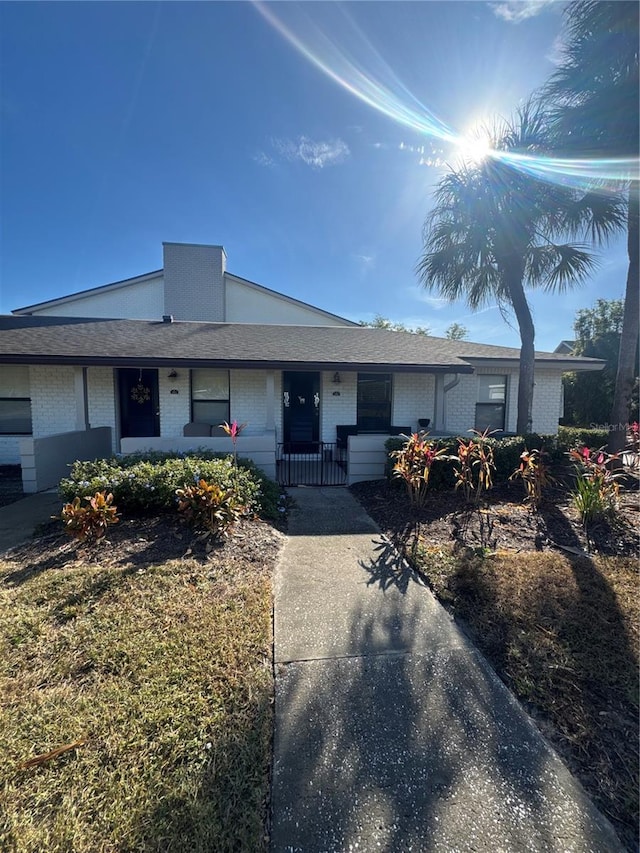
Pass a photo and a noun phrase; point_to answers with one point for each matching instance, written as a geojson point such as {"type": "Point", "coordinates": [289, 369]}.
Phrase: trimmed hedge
{"type": "Point", "coordinates": [506, 453]}
{"type": "Point", "coordinates": [570, 437]}
{"type": "Point", "coordinates": [147, 482]}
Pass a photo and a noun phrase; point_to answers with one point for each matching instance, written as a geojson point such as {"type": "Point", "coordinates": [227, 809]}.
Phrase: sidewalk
{"type": "Point", "coordinates": [392, 733]}
{"type": "Point", "coordinates": [18, 520]}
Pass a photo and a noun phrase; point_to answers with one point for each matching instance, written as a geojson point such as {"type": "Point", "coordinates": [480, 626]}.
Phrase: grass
{"type": "Point", "coordinates": [163, 673]}
{"type": "Point", "coordinates": [563, 633]}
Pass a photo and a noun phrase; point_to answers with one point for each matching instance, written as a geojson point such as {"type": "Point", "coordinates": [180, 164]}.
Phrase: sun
{"type": "Point", "coordinates": [474, 146]}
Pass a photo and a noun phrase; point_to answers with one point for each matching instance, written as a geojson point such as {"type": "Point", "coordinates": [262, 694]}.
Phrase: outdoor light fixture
{"type": "Point", "coordinates": [172, 374]}
{"type": "Point", "coordinates": [336, 378]}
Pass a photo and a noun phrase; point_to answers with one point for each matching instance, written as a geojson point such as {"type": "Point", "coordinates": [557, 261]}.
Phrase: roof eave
{"type": "Point", "coordinates": [246, 364]}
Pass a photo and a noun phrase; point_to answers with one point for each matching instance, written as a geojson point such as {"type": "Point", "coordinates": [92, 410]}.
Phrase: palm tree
{"type": "Point", "coordinates": [596, 91]}
{"type": "Point", "coordinates": [492, 231]}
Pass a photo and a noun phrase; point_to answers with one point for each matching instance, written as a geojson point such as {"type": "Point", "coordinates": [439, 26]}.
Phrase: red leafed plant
{"type": "Point", "coordinates": [534, 473]}
{"type": "Point", "coordinates": [474, 465]}
{"type": "Point", "coordinates": [89, 523]}
{"type": "Point", "coordinates": [413, 465]}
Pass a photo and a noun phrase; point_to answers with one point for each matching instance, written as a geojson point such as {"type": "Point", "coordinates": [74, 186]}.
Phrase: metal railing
{"type": "Point", "coordinates": [317, 463]}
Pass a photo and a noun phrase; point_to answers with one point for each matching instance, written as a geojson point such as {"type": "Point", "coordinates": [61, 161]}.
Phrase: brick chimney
{"type": "Point", "coordinates": [194, 287]}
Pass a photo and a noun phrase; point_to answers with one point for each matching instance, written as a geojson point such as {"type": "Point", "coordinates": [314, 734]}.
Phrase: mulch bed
{"type": "Point", "coordinates": [501, 520]}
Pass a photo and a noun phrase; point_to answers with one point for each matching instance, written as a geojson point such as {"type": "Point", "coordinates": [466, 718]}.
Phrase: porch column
{"type": "Point", "coordinates": [270, 418]}
{"type": "Point", "coordinates": [82, 398]}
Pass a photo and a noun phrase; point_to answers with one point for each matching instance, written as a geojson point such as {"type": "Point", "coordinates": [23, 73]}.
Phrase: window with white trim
{"type": "Point", "coordinates": [15, 400]}
{"type": "Point", "coordinates": [491, 405]}
{"type": "Point", "coordinates": [209, 396]}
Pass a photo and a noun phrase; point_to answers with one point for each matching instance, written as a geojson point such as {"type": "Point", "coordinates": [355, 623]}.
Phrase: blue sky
{"type": "Point", "coordinates": [126, 124]}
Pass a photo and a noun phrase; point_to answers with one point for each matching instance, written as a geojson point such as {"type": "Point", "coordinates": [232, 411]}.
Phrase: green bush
{"type": "Point", "coordinates": [148, 482]}
{"type": "Point", "coordinates": [570, 437]}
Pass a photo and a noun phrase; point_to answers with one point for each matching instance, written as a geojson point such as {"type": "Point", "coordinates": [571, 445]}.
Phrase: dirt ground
{"type": "Point", "coordinates": [501, 521]}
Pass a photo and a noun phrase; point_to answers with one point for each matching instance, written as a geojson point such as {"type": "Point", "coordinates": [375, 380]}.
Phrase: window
{"type": "Point", "coordinates": [490, 408]}
{"type": "Point", "coordinates": [374, 402]}
{"type": "Point", "coordinates": [209, 396]}
{"type": "Point", "coordinates": [15, 400]}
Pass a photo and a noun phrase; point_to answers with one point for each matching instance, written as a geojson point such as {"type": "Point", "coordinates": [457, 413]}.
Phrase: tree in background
{"type": "Point", "coordinates": [380, 322]}
{"type": "Point", "coordinates": [588, 397]}
{"type": "Point", "coordinates": [456, 332]}
{"type": "Point", "coordinates": [494, 231]}
{"type": "Point", "coordinates": [596, 90]}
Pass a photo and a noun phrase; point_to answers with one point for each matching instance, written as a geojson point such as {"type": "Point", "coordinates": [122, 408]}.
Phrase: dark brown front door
{"type": "Point", "coordinates": [139, 403]}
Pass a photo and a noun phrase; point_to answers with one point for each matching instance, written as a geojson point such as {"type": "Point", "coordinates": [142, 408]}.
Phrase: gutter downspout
{"type": "Point", "coordinates": [445, 390]}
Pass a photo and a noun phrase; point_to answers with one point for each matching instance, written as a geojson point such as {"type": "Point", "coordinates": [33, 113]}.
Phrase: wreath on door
{"type": "Point", "coordinates": [140, 393]}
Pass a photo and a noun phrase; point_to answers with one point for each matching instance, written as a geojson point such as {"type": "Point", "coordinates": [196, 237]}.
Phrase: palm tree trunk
{"type": "Point", "coordinates": [521, 309]}
{"type": "Point", "coordinates": [630, 330]}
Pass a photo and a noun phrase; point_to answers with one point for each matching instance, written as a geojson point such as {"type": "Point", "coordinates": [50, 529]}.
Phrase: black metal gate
{"type": "Point", "coordinates": [323, 465]}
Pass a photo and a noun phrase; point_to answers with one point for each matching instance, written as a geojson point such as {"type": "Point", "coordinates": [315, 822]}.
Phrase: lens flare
{"type": "Point", "coordinates": [377, 85]}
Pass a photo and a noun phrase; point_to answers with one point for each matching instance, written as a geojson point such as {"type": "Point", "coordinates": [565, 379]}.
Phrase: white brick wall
{"type": "Point", "coordinates": [175, 409]}
{"type": "Point", "coordinates": [337, 410]}
{"type": "Point", "coordinates": [460, 403]}
{"type": "Point", "coordinates": [101, 399]}
{"type": "Point", "coordinates": [249, 399]}
{"type": "Point", "coordinates": [547, 401]}
{"type": "Point", "coordinates": [413, 398]}
{"type": "Point", "coordinates": [142, 300]}
{"type": "Point", "coordinates": [194, 282]}
{"type": "Point", "coordinates": [53, 399]}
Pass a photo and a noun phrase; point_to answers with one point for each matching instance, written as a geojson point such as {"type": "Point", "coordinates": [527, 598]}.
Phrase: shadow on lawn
{"type": "Point", "coordinates": [584, 680]}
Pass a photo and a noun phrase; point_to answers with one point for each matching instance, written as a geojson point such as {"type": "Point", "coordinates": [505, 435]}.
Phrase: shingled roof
{"type": "Point", "coordinates": [140, 343]}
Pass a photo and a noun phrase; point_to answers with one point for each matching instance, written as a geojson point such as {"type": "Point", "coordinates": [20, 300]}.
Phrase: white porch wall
{"type": "Point", "coordinates": [337, 410]}
{"type": "Point", "coordinates": [547, 401]}
{"type": "Point", "coordinates": [175, 409]}
{"type": "Point", "coordinates": [142, 300]}
{"type": "Point", "coordinates": [248, 393]}
{"type": "Point", "coordinates": [460, 403]}
{"type": "Point", "coordinates": [101, 394]}
{"type": "Point", "coordinates": [53, 399]}
{"type": "Point", "coordinates": [413, 398]}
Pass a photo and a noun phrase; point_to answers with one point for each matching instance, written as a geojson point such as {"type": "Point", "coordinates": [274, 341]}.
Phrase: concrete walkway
{"type": "Point", "coordinates": [392, 733]}
{"type": "Point", "coordinates": [19, 520]}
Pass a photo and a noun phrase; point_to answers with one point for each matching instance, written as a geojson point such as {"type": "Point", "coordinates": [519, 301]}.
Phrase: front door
{"type": "Point", "coordinates": [139, 402]}
{"type": "Point", "coordinates": [301, 406]}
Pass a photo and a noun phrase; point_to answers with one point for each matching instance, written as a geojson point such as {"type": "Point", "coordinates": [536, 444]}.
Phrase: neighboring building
{"type": "Point", "coordinates": [565, 347]}
{"type": "Point", "coordinates": [165, 357]}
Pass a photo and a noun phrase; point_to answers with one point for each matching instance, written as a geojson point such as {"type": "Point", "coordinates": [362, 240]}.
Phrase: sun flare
{"type": "Point", "coordinates": [474, 147]}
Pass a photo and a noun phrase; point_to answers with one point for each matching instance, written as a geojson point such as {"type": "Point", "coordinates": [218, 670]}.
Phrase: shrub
{"type": "Point", "coordinates": [572, 437]}
{"type": "Point", "coordinates": [208, 507]}
{"type": "Point", "coordinates": [89, 523]}
{"type": "Point", "coordinates": [534, 473]}
{"type": "Point", "coordinates": [595, 494]}
{"type": "Point", "coordinates": [413, 464]}
{"type": "Point", "coordinates": [148, 482]}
